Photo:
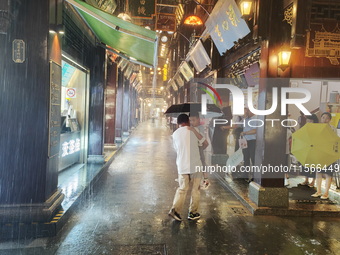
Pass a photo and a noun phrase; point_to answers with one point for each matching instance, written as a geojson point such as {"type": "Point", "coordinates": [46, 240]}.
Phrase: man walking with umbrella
{"type": "Point", "coordinates": [186, 140]}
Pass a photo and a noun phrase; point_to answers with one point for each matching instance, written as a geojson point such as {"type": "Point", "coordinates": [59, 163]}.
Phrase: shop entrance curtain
{"type": "Point", "coordinates": [138, 43]}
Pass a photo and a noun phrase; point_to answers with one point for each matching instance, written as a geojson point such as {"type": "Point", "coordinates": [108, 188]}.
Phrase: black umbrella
{"type": "Point", "coordinates": [176, 109]}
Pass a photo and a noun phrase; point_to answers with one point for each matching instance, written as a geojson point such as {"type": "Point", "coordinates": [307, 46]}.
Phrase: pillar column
{"type": "Point", "coordinates": [97, 105]}
{"type": "Point", "coordinates": [268, 189]}
{"type": "Point", "coordinates": [133, 110]}
{"type": "Point", "coordinates": [110, 104]}
{"type": "Point", "coordinates": [30, 121]}
{"type": "Point", "coordinates": [126, 108]}
{"type": "Point", "coordinates": [119, 107]}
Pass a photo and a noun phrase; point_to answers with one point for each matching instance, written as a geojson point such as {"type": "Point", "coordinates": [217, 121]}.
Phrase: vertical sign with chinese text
{"type": "Point", "coordinates": [18, 51]}
{"type": "Point", "coordinates": [142, 9]}
{"type": "Point", "coordinates": [55, 115]}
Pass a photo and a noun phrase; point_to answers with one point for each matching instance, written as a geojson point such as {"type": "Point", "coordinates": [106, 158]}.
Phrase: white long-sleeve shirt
{"type": "Point", "coordinates": [186, 145]}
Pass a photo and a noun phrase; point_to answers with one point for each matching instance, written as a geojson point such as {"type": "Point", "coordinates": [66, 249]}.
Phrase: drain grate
{"type": "Point", "coordinates": [306, 201]}
{"type": "Point", "coordinates": [238, 210]}
{"type": "Point", "coordinates": [140, 249]}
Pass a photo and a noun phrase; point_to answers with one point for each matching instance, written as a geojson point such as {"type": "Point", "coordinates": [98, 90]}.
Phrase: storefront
{"type": "Point", "coordinates": [74, 114]}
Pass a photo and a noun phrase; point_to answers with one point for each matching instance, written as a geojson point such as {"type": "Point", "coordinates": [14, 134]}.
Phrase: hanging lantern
{"type": "Point", "coordinates": [245, 7]}
{"type": "Point", "coordinates": [283, 59]}
{"type": "Point", "coordinates": [193, 20]}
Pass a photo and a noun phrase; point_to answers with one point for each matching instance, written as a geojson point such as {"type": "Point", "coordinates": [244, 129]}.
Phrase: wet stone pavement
{"type": "Point", "coordinates": [127, 214]}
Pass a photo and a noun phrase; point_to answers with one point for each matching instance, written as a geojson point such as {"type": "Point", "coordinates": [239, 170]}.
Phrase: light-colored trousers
{"type": "Point", "coordinates": [184, 181]}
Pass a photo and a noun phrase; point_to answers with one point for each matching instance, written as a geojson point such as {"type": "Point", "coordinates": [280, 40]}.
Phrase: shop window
{"type": "Point", "coordinates": [73, 138]}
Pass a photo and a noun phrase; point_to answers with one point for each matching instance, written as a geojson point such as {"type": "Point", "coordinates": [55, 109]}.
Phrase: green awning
{"type": "Point", "coordinates": [136, 42]}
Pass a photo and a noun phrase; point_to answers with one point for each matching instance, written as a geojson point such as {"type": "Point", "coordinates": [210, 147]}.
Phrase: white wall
{"type": "Point", "coordinates": [333, 86]}
{"type": "Point", "coordinates": [320, 90]}
{"type": "Point", "coordinates": [314, 87]}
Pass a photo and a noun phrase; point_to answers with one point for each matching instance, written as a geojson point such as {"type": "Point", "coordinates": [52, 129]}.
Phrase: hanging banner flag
{"type": "Point", "coordinates": [142, 9]}
{"type": "Point", "coordinates": [178, 79]}
{"type": "Point", "coordinates": [199, 57]}
{"type": "Point", "coordinates": [172, 83]}
{"type": "Point", "coordinates": [133, 77]}
{"type": "Point", "coordinates": [123, 63]}
{"type": "Point", "coordinates": [225, 25]}
{"type": "Point", "coordinates": [128, 71]}
{"type": "Point", "coordinates": [186, 71]}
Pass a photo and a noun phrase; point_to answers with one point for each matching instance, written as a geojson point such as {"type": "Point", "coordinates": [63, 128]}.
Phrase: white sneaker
{"type": "Point", "coordinates": [172, 213]}
{"type": "Point", "coordinates": [316, 195]}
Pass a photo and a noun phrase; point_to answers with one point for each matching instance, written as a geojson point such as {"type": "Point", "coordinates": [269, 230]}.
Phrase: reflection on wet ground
{"type": "Point", "coordinates": [127, 214]}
